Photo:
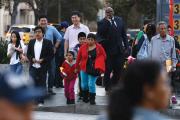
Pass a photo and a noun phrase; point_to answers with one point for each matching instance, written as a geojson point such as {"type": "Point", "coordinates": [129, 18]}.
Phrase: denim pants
{"type": "Point", "coordinates": [16, 68]}
{"type": "Point", "coordinates": [88, 82]}
{"type": "Point", "coordinates": [69, 89]}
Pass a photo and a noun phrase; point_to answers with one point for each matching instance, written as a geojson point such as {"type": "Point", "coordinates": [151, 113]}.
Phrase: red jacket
{"type": "Point", "coordinates": [68, 71]}
{"type": "Point", "coordinates": [82, 58]}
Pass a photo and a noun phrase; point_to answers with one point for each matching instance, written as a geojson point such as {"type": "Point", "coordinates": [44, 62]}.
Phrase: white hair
{"type": "Point", "coordinates": [161, 23]}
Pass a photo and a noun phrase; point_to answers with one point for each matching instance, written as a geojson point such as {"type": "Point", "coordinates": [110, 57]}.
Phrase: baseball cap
{"type": "Point", "coordinates": [64, 24]}
{"type": "Point", "coordinates": [18, 89]}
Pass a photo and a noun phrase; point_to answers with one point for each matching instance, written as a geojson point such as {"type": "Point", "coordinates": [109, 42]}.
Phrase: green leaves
{"type": "Point", "coordinates": [3, 52]}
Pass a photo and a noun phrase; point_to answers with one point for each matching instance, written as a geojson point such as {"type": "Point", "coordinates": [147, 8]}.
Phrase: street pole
{"type": "Point", "coordinates": [158, 11]}
{"type": "Point", "coordinates": [59, 11]}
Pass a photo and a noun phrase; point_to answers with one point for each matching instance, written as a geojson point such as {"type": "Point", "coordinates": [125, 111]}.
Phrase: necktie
{"type": "Point", "coordinates": [113, 23]}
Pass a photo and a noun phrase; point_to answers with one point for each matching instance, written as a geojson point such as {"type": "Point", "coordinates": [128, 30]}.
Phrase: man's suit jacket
{"type": "Point", "coordinates": [46, 52]}
{"type": "Point", "coordinates": [113, 39]}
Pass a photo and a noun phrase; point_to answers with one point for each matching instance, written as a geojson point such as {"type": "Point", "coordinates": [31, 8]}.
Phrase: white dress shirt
{"type": "Point", "coordinates": [72, 32]}
{"type": "Point", "coordinates": [37, 52]}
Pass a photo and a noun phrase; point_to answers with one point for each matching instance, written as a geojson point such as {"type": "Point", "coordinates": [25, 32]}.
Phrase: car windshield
{"type": "Point", "coordinates": [20, 29]}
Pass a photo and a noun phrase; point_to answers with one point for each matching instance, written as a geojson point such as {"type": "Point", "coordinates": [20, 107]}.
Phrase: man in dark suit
{"type": "Point", "coordinates": [40, 53]}
{"type": "Point", "coordinates": [112, 35]}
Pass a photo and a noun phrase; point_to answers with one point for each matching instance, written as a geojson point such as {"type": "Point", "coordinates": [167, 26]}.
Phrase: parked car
{"type": "Point", "coordinates": [24, 31]}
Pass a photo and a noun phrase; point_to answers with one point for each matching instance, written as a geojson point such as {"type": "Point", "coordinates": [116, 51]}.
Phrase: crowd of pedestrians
{"type": "Point", "coordinates": [63, 56]}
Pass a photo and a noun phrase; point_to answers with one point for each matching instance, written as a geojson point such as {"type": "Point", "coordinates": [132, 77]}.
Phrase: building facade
{"type": "Point", "coordinates": [25, 15]}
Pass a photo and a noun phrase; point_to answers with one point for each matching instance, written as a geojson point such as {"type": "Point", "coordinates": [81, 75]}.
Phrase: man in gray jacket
{"type": "Point", "coordinates": [163, 46]}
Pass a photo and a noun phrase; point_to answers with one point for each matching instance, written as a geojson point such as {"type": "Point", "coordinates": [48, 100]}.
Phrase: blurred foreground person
{"type": "Point", "coordinates": [16, 97]}
{"type": "Point", "coordinates": [144, 92]}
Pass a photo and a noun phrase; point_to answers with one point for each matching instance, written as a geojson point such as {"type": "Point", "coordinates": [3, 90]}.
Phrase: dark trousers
{"type": "Point", "coordinates": [80, 89]}
{"type": "Point", "coordinates": [114, 65]}
{"type": "Point", "coordinates": [51, 73]}
{"type": "Point", "coordinates": [39, 77]}
{"type": "Point", "coordinates": [58, 78]}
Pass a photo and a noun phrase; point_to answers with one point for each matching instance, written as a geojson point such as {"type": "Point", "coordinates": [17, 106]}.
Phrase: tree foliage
{"type": "Point", "coordinates": [88, 8]}
{"type": "Point", "coordinates": [143, 8]}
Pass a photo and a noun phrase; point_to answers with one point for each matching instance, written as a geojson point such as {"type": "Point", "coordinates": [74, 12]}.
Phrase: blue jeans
{"type": "Point", "coordinates": [88, 82]}
{"type": "Point", "coordinates": [16, 68]}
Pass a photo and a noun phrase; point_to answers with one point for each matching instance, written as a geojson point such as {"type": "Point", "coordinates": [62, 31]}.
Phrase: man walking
{"type": "Point", "coordinates": [71, 34]}
{"type": "Point", "coordinates": [60, 55]}
{"type": "Point", "coordinates": [112, 35]}
{"type": "Point", "coordinates": [163, 50]}
{"type": "Point", "coordinates": [40, 53]}
{"type": "Point", "coordinates": [55, 37]}
{"type": "Point", "coordinates": [163, 46]}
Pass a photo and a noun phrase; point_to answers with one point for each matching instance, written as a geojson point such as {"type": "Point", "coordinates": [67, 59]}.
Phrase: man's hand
{"type": "Point", "coordinates": [55, 50]}
{"type": "Point", "coordinates": [34, 60]}
{"type": "Point", "coordinates": [40, 61]}
{"type": "Point", "coordinates": [76, 71]}
{"type": "Point", "coordinates": [23, 58]}
{"type": "Point", "coordinates": [18, 49]}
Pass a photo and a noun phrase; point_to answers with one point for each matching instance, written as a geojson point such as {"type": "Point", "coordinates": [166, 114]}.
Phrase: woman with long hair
{"type": "Point", "coordinates": [144, 91]}
{"type": "Point", "coordinates": [14, 52]}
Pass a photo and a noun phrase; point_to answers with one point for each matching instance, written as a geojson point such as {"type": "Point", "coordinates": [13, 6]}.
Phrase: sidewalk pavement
{"type": "Point", "coordinates": [57, 103]}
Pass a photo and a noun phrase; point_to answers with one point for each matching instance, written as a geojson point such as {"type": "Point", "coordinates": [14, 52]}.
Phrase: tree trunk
{"type": "Point", "coordinates": [36, 17]}
{"type": "Point", "coordinates": [14, 12]}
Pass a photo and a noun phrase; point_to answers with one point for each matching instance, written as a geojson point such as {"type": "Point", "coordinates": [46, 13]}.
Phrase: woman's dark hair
{"type": "Point", "coordinates": [17, 42]}
{"type": "Point", "coordinates": [18, 38]}
{"type": "Point", "coordinates": [130, 92]}
{"type": "Point", "coordinates": [39, 28]}
{"type": "Point", "coordinates": [169, 26]}
{"type": "Point", "coordinates": [91, 35]}
{"type": "Point", "coordinates": [150, 30]}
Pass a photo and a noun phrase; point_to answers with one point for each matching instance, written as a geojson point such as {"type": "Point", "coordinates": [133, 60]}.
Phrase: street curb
{"type": "Point", "coordinates": [94, 110]}
{"type": "Point", "coordinates": [78, 109]}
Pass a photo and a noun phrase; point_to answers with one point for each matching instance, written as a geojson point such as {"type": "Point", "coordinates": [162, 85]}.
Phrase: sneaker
{"type": "Point", "coordinates": [40, 105]}
{"type": "Point", "coordinates": [51, 92]}
{"type": "Point", "coordinates": [173, 100]}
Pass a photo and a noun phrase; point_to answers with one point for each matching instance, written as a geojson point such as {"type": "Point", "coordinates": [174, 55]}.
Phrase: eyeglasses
{"type": "Point", "coordinates": [38, 31]}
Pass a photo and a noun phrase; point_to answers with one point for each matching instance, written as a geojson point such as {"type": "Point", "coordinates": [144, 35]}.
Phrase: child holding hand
{"type": "Point", "coordinates": [69, 75]}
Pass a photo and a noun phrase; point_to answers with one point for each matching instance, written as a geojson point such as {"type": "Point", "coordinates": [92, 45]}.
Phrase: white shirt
{"type": "Point", "coordinates": [13, 53]}
{"type": "Point", "coordinates": [72, 32]}
{"type": "Point", "coordinates": [37, 52]}
{"type": "Point", "coordinates": [24, 47]}
{"type": "Point", "coordinates": [114, 21]}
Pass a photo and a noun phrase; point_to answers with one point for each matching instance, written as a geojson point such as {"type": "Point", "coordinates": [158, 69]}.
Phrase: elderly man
{"type": "Point", "coordinates": [163, 46]}
{"type": "Point", "coordinates": [111, 34]}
